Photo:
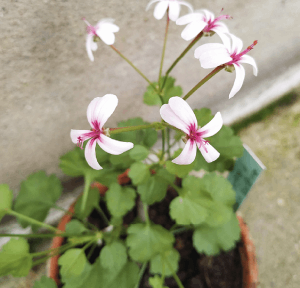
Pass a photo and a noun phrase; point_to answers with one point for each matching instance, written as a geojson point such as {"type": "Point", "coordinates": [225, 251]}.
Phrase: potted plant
{"type": "Point", "coordinates": [143, 219]}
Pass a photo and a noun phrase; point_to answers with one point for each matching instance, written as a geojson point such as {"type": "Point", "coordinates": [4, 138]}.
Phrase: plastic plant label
{"type": "Point", "coordinates": [244, 174]}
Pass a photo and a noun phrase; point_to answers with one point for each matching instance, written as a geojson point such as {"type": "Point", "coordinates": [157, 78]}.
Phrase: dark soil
{"type": "Point", "coordinates": [195, 270]}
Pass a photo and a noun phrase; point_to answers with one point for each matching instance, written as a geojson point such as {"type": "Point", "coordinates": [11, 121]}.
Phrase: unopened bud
{"type": "Point", "coordinates": [106, 132]}
{"type": "Point", "coordinates": [96, 38]}
{"type": "Point", "coordinates": [229, 68]}
{"type": "Point", "coordinates": [208, 34]}
{"type": "Point", "coordinates": [184, 138]}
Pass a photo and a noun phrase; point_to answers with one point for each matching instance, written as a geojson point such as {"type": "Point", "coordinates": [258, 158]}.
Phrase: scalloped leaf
{"type": "Point", "coordinates": [45, 282]}
{"type": "Point", "coordinates": [212, 241]}
{"type": "Point", "coordinates": [6, 197]}
{"type": "Point", "coordinates": [145, 241]}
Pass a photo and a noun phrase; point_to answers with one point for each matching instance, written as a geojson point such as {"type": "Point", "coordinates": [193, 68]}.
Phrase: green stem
{"type": "Point", "coordinates": [132, 128]}
{"type": "Point", "coordinates": [204, 80]}
{"type": "Point", "coordinates": [174, 274]}
{"type": "Point", "coordinates": [41, 235]}
{"type": "Point", "coordinates": [98, 208]}
{"type": "Point", "coordinates": [142, 271]}
{"type": "Point", "coordinates": [32, 221]}
{"type": "Point", "coordinates": [164, 48]}
{"type": "Point", "coordinates": [163, 144]}
{"type": "Point", "coordinates": [179, 230]}
{"type": "Point", "coordinates": [87, 184]}
{"type": "Point", "coordinates": [146, 214]}
{"type": "Point", "coordinates": [168, 143]}
{"type": "Point", "coordinates": [170, 126]}
{"type": "Point", "coordinates": [133, 66]}
{"type": "Point", "coordinates": [196, 39]}
{"type": "Point", "coordinates": [91, 251]}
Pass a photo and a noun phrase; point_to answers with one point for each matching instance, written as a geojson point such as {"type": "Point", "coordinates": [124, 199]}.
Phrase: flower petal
{"type": "Point", "coordinates": [112, 146]}
{"type": "Point", "coordinates": [150, 3]}
{"type": "Point", "coordinates": [212, 127]}
{"type": "Point", "coordinates": [223, 35]}
{"type": "Point", "coordinates": [193, 29]}
{"type": "Point", "coordinates": [106, 36]}
{"type": "Point", "coordinates": [100, 109]}
{"type": "Point", "coordinates": [182, 109]}
{"type": "Point", "coordinates": [174, 10]}
{"type": "Point", "coordinates": [237, 44]}
{"type": "Point", "coordinates": [89, 45]}
{"type": "Point", "coordinates": [209, 153]}
{"type": "Point", "coordinates": [109, 27]}
{"type": "Point", "coordinates": [239, 79]}
{"type": "Point", "coordinates": [90, 154]}
{"type": "Point", "coordinates": [208, 15]}
{"type": "Point", "coordinates": [189, 18]}
{"type": "Point", "coordinates": [170, 117]}
{"type": "Point", "coordinates": [160, 9]}
{"type": "Point", "coordinates": [188, 154]}
{"type": "Point", "coordinates": [249, 60]}
{"type": "Point", "coordinates": [212, 55]}
{"type": "Point", "coordinates": [77, 133]}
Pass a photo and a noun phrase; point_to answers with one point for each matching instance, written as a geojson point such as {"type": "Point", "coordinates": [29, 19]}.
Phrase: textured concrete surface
{"type": "Point", "coordinates": [47, 80]}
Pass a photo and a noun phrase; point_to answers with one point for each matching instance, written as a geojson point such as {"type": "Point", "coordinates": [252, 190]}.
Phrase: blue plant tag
{"type": "Point", "coordinates": [244, 174]}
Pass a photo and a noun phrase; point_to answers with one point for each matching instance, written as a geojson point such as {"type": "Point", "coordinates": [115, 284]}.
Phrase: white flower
{"type": "Point", "coordinates": [229, 53]}
{"type": "Point", "coordinates": [98, 111]}
{"type": "Point", "coordinates": [179, 114]}
{"type": "Point", "coordinates": [202, 20]}
{"type": "Point", "coordinates": [104, 30]}
{"type": "Point", "coordinates": [173, 5]}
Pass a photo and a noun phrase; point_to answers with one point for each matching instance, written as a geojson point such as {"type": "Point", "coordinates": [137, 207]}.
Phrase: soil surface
{"type": "Point", "coordinates": [195, 270]}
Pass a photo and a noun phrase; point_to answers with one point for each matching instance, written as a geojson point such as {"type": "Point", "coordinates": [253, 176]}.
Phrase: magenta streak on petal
{"type": "Point", "coordinates": [90, 29]}
{"type": "Point", "coordinates": [213, 24]}
{"type": "Point", "coordinates": [237, 57]}
{"type": "Point", "coordinates": [196, 136]}
{"type": "Point", "coordinates": [94, 134]}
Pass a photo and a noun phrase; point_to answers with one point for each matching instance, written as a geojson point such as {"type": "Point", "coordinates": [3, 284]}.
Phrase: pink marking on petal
{"type": "Point", "coordinates": [90, 29]}
{"type": "Point", "coordinates": [213, 24]}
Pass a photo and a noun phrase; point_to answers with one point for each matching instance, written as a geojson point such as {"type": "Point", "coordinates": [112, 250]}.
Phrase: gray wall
{"type": "Point", "coordinates": [47, 80]}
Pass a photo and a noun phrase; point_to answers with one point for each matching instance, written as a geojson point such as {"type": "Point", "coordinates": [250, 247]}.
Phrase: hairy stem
{"type": "Point", "coordinates": [198, 37]}
{"type": "Point", "coordinates": [164, 47]}
{"type": "Point", "coordinates": [102, 214]}
{"type": "Point", "coordinates": [204, 80]}
{"type": "Point", "coordinates": [87, 183]}
{"type": "Point", "coordinates": [174, 274]}
{"type": "Point", "coordinates": [142, 271]}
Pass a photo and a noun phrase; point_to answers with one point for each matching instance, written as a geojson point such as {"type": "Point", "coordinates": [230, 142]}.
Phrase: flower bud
{"type": "Point", "coordinates": [229, 68]}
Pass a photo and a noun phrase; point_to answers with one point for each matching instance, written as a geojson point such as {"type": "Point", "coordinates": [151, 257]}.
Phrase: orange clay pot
{"type": "Point", "coordinates": [247, 251]}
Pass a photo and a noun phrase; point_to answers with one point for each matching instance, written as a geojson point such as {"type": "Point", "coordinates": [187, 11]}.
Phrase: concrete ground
{"type": "Point", "coordinates": [271, 208]}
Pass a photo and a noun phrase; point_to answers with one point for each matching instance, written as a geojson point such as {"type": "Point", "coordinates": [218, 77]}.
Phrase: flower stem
{"type": "Point", "coordinates": [142, 271]}
{"type": "Point", "coordinates": [40, 235]}
{"type": "Point", "coordinates": [168, 142]}
{"type": "Point", "coordinates": [132, 65]}
{"type": "Point", "coordinates": [163, 144]}
{"type": "Point", "coordinates": [198, 37]}
{"type": "Point", "coordinates": [174, 274]}
{"type": "Point", "coordinates": [204, 80]}
{"type": "Point", "coordinates": [85, 195]}
{"type": "Point", "coordinates": [100, 211]}
{"type": "Point", "coordinates": [164, 47]}
{"type": "Point", "coordinates": [131, 128]}
{"type": "Point", "coordinates": [146, 213]}
{"type": "Point", "coordinates": [32, 221]}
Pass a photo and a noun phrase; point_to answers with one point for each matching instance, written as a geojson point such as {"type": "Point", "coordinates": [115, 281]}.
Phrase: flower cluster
{"type": "Point", "coordinates": [177, 112]}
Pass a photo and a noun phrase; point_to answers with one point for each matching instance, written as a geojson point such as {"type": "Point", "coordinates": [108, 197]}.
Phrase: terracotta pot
{"type": "Point", "coordinates": [247, 251]}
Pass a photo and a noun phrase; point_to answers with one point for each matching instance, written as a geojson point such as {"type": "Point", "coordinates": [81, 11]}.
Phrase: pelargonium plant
{"type": "Point", "coordinates": [139, 198]}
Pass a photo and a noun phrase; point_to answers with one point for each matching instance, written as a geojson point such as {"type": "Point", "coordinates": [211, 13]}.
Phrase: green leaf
{"type": "Point", "coordinates": [75, 227]}
{"type": "Point", "coordinates": [188, 209]}
{"type": "Point", "coordinates": [155, 189]}
{"type": "Point", "coordinates": [146, 137]}
{"type": "Point", "coordinates": [74, 164]}
{"type": "Point", "coordinates": [15, 258]}
{"type": "Point", "coordinates": [38, 193]}
{"type": "Point", "coordinates": [139, 153]}
{"type": "Point", "coordinates": [92, 201]}
{"type": "Point", "coordinates": [218, 187]}
{"type": "Point", "coordinates": [171, 256]}
{"type": "Point", "coordinates": [145, 241]}
{"type": "Point", "coordinates": [211, 240]}
{"type": "Point", "coordinates": [113, 256]}
{"type": "Point", "coordinates": [45, 282]}
{"type": "Point", "coordinates": [157, 282]}
{"type": "Point", "coordinates": [119, 199]}
{"type": "Point", "coordinates": [139, 173]}
{"type": "Point", "coordinates": [107, 176]}
{"type": "Point", "coordinates": [179, 170]}
{"type": "Point", "coordinates": [152, 98]}
{"type": "Point", "coordinates": [122, 161]}
{"type": "Point", "coordinates": [6, 197]}
{"type": "Point", "coordinates": [225, 142]}
{"type": "Point", "coordinates": [72, 262]}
